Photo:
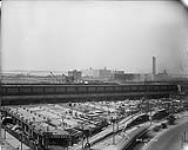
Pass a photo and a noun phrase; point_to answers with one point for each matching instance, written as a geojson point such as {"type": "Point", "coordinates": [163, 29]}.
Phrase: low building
{"type": "Point", "coordinates": [121, 76]}
{"type": "Point", "coordinates": [91, 73]}
{"type": "Point", "coordinates": [105, 73]}
{"type": "Point", "coordinates": [75, 75]}
{"type": "Point", "coordinates": [162, 76]}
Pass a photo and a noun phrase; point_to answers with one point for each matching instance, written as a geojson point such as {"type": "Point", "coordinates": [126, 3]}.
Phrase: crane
{"type": "Point", "coordinates": [54, 77]}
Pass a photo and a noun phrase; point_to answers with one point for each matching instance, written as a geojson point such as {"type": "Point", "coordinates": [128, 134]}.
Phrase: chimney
{"type": "Point", "coordinates": [154, 65]}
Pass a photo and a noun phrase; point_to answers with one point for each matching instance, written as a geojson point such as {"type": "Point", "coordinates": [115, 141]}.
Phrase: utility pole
{"type": "Point", "coordinates": [82, 137]}
{"type": "Point", "coordinates": [149, 113]}
{"type": "Point", "coordinates": [68, 142]}
{"type": "Point", "coordinates": [4, 133]}
{"type": "Point", "coordinates": [113, 122]}
{"type": "Point", "coordinates": [87, 136]}
{"type": "Point", "coordinates": [21, 141]}
{"type": "Point", "coordinates": [113, 133]}
{"type": "Point", "coordinates": [141, 105]}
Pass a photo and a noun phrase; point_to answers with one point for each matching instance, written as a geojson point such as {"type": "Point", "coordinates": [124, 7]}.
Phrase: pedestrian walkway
{"type": "Point", "coordinates": [11, 143]}
{"type": "Point", "coordinates": [4, 145]}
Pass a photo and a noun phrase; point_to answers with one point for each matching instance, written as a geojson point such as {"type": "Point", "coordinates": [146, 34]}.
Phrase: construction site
{"type": "Point", "coordinates": [85, 125]}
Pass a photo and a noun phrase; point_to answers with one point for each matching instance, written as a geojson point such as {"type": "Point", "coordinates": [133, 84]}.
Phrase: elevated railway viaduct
{"type": "Point", "coordinates": [20, 94]}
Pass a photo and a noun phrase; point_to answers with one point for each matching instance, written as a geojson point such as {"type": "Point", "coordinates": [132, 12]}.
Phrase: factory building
{"type": "Point", "coordinates": [105, 73]}
{"type": "Point", "coordinates": [75, 75]}
{"type": "Point", "coordinates": [127, 76]}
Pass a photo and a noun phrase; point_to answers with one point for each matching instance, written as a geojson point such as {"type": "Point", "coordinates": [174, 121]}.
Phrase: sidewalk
{"type": "Point", "coordinates": [171, 138]}
{"type": "Point", "coordinates": [5, 145]}
{"type": "Point", "coordinates": [11, 143]}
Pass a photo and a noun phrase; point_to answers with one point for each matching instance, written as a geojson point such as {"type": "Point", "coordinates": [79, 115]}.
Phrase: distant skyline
{"type": "Point", "coordinates": [123, 35]}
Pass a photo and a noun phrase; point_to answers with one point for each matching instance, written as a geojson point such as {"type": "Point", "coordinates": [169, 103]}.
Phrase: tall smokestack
{"type": "Point", "coordinates": [154, 65]}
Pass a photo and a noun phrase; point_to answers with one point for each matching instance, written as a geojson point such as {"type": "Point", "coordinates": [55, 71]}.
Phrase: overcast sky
{"type": "Point", "coordinates": [61, 35]}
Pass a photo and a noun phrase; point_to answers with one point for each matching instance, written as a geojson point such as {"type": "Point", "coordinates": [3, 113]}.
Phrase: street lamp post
{"type": "Point", "coordinates": [86, 133]}
{"type": "Point", "coordinates": [149, 113]}
{"type": "Point", "coordinates": [82, 137]}
{"type": "Point", "coordinates": [68, 143]}
{"type": "Point", "coordinates": [21, 141]}
{"type": "Point", "coordinates": [141, 105]}
{"type": "Point", "coordinates": [82, 142]}
{"type": "Point", "coordinates": [113, 133]}
{"type": "Point", "coordinates": [113, 122]}
{"type": "Point", "coordinates": [4, 133]}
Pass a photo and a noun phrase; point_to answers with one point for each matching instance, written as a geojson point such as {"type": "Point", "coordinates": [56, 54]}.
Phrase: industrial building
{"type": "Point", "coordinates": [75, 75]}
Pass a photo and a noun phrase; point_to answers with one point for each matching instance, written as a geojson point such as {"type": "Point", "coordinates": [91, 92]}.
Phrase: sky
{"type": "Point", "coordinates": [56, 35]}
